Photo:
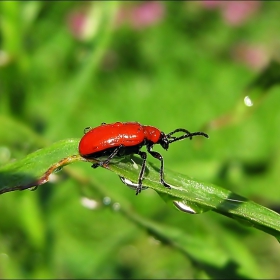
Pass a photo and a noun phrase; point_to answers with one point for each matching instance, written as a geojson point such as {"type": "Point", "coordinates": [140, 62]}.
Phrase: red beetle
{"type": "Point", "coordinates": [120, 139]}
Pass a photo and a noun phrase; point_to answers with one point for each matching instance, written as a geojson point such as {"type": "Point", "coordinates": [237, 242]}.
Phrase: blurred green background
{"type": "Point", "coordinates": [68, 65]}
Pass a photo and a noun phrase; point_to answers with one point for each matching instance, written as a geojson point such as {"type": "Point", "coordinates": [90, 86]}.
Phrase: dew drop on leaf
{"type": "Point", "coordinates": [106, 200]}
{"type": "Point", "coordinates": [116, 206]}
{"type": "Point", "coordinates": [189, 207]}
{"type": "Point", "coordinates": [248, 101]}
{"type": "Point", "coordinates": [57, 169]}
{"type": "Point", "coordinates": [131, 184]}
{"type": "Point", "coordinates": [89, 203]}
{"type": "Point", "coordinates": [34, 188]}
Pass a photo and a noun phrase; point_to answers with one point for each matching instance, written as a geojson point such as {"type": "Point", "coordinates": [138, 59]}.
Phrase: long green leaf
{"type": "Point", "coordinates": [36, 168]}
{"type": "Point", "coordinates": [197, 196]}
{"type": "Point", "coordinates": [201, 197]}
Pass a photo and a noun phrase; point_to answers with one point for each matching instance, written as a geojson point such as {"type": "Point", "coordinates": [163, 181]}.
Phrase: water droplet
{"type": "Point", "coordinates": [34, 188]}
{"type": "Point", "coordinates": [58, 169]}
{"type": "Point", "coordinates": [190, 207]}
{"type": "Point", "coordinates": [106, 200]}
{"type": "Point", "coordinates": [184, 207]}
{"type": "Point", "coordinates": [89, 203]}
{"type": "Point", "coordinates": [87, 129]}
{"type": "Point", "coordinates": [116, 206]}
{"type": "Point", "coordinates": [248, 101]}
{"type": "Point", "coordinates": [131, 184]}
{"type": "Point", "coordinates": [53, 178]}
{"type": "Point", "coordinates": [134, 164]}
{"type": "Point", "coordinates": [128, 183]}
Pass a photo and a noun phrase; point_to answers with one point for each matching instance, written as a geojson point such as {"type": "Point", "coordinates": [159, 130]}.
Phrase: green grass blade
{"type": "Point", "coordinates": [35, 169]}
{"type": "Point", "coordinates": [203, 196]}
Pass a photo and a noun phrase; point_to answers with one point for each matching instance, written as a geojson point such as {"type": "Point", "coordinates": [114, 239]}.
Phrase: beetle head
{"type": "Point", "coordinates": [164, 141]}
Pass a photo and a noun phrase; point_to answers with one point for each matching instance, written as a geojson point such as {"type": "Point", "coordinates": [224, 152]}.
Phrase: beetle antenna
{"type": "Point", "coordinates": [186, 135]}
{"type": "Point", "coordinates": [177, 130]}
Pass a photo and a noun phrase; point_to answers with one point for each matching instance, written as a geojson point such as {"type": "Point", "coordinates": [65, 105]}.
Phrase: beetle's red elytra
{"type": "Point", "coordinates": [125, 138]}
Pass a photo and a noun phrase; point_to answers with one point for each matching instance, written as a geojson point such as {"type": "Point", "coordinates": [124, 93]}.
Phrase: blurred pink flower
{"type": "Point", "coordinates": [211, 4]}
{"type": "Point", "coordinates": [76, 21]}
{"type": "Point", "coordinates": [141, 15]}
{"type": "Point", "coordinates": [237, 12]}
{"type": "Point", "coordinates": [254, 56]}
{"type": "Point", "coordinates": [234, 12]}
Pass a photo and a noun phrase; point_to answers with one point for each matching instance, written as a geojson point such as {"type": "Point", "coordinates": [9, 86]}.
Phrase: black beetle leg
{"type": "Point", "coordinates": [143, 155]}
{"type": "Point", "coordinates": [107, 161]}
{"type": "Point", "coordinates": [159, 157]}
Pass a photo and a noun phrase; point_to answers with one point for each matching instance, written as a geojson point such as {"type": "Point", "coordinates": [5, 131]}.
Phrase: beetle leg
{"type": "Point", "coordinates": [143, 155]}
{"type": "Point", "coordinates": [107, 161]}
{"type": "Point", "coordinates": [159, 157]}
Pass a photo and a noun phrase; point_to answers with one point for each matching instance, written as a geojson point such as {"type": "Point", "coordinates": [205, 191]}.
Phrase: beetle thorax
{"type": "Point", "coordinates": [152, 134]}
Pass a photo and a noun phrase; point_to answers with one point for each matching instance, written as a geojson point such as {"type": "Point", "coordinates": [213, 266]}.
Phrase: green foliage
{"type": "Point", "coordinates": [181, 71]}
